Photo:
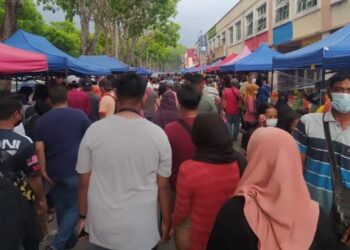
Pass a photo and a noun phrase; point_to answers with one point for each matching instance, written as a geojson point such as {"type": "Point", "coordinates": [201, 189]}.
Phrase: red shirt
{"type": "Point", "coordinates": [231, 96]}
{"type": "Point", "coordinates": [181, 145]}
{"type": "Point", "coordinates": [79, 100]}
{"type": "Point", "coordinates": [202, 189]}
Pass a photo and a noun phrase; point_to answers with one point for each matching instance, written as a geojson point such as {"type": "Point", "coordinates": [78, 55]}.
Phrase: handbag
{"type": "Point", "coordinates": [22, 185]}
{"type": "Point", "coordinates": [341, 195]}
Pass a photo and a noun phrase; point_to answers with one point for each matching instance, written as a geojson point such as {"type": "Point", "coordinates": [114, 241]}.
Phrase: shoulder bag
{"type": "Point", "coordinates": [341, 195]}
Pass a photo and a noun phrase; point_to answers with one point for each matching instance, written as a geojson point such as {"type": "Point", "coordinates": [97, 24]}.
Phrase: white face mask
{"type": "Point", "coordinates": [271, 122]}
{"type": "Point", "coordinates": [254, 80]}
{"type": "Point", "coordinates": [341, 102]}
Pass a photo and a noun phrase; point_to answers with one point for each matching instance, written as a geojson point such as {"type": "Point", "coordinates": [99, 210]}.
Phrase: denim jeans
{"type": "Point", "coordinates": [233, 122]}
{"type": "Point", "coordinates": [65, 199]}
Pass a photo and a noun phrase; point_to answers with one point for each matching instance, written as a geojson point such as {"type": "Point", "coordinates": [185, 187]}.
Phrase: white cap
{"type": "Point", "coordinates": [154, 75]}
{"type": "Point", "coordinates": [72, 79]}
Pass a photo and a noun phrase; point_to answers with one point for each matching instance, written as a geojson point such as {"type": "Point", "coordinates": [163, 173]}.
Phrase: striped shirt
{"type": "Point", "coordinates": [318, 171]}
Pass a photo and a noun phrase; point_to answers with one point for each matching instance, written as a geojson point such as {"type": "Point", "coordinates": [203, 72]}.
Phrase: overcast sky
{"type": "Point", "coordinates": [199, 15]}
{"type": "Point", "coordinates": [193, 16]}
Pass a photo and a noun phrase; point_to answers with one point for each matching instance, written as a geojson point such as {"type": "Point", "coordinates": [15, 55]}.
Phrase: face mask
{"type": "Point", "coordinates": [271, 122]}
{"type": "Point", "coordinates": [254, 80]}
{"type": "Point", "coordinates": [341, 102]}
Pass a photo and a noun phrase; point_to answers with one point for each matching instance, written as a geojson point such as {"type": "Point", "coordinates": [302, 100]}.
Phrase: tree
{"type": "Point", "coordinates": [155, 48]}
{"type": "Point", "coordinates": [9, 25]}
{"type": "Point", "coordinates": [30, 19]}
{"type": "Point", "coordinates": [88, 11]}
{"type": "Point", "coordinates": [65, 36]}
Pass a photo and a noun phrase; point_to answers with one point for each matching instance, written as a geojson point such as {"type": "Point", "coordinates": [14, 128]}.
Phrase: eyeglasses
{"type": "Point", "coordinates": [340, 90]}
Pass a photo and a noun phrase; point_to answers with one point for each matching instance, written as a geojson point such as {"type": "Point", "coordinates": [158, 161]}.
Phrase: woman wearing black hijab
{"type": "Point", "coordinates": [205, 182]}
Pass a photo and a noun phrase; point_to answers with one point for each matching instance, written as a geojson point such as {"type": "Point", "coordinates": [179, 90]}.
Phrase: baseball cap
{"type": "Point", "coordinates": [169, 83]}
{"type": "Point", "coordinates": [71, 79]}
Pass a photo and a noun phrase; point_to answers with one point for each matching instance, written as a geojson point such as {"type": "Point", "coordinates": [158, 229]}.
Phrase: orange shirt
{"type": "Point", "coordinates": [107, 105]}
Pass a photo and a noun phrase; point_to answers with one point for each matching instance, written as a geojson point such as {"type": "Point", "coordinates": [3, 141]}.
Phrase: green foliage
{"type": "Point", "coordinates": [146, 37]}
{"type": "Point", "coordinates": [160, 47]}
{"type": "Point", "coordinates": [65, 36]}
{"type": "Point", "coordinates": [29, 18]}
{"type": "Point", "coordinates": [2, 10]}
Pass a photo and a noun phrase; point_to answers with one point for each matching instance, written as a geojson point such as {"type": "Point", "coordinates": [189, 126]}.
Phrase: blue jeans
{"type": "Point", "coordinates": [65, 199]}
{"type": "Point", "coordinates": [233, 122]}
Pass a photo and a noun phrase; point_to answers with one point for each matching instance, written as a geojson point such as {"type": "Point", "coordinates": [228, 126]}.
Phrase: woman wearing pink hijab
{"type": "Point", "coordinates": [271, 208]}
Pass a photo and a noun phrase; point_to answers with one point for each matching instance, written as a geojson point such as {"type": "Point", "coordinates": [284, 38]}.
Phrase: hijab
{"type": "Point", "coordinates": [212, 140]}
{"type": "Point", "coordinates": [167, 111]}
{"type": "Point", "coordinates": [277, 206]}
{"type": "Point", "coordinates": [168, 102]}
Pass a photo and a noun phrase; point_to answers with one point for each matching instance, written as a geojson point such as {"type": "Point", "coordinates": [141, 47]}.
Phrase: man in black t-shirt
{"type": "Point", "coordinates": [18, 160]}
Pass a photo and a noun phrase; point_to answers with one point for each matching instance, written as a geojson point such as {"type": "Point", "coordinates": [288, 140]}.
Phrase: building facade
{"type": "Point", "coordinates": [284, 24]}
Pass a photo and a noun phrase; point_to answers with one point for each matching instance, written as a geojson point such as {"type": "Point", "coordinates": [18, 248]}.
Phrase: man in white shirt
{"type": "Point", "coordinates": [124, 163]}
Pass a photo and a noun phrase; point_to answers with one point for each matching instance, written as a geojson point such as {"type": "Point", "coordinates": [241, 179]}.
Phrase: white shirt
{"type": "Point", "coordinates": [124, 157]}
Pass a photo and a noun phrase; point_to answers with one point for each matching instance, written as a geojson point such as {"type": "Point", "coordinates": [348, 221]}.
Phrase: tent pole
{"type": "Point", "coordinates": [272, 72]}
{"type": "Point", "coordinates": [323, 85]}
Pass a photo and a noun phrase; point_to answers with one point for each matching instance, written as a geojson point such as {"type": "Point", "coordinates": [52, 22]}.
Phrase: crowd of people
{"type": "Point", "coordinates": [125, 161]}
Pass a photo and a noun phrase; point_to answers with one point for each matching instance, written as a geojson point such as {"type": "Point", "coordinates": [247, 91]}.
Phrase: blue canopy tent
{"type": "Point", "coordinates": [337, 56]}
{"type": "Point", "coordinates": [143, 72]}
{"type": "Point", "coordinates": [259, 60]}
{"type": "Point", "coordinates": [313, 54]}
{"type": "Point", "coordinates": [210, 67]}
{"type": "Point", "coordinates": [188, 70]}
{"type": "Point", "coordinates": [105, 61]}
{"type": "Point", "coordinates": [58, 60]}
{"type": "Point", "coordinates": [198, 69]}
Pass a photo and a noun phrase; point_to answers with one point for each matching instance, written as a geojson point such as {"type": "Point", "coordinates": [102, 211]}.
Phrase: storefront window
{"type": "Point", "coordinates": [282, 10]}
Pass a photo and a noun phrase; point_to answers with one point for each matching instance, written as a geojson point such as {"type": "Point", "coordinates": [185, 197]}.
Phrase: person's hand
{"type": "Point", "coordinates": [261, 121]}
{"type": "Point", "coordinates": [80, 227]}
{"type": "Point", "coordinates": [47, 179]}
{"type": "Point", "coordinates": [40, 206]}
{"type": "Point", "coordinates": [346, 237]}
{"type": "Point", "coordinates": [165, 233]}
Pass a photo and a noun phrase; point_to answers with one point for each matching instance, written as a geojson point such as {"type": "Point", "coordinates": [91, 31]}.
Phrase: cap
{"type": "Point", "coordinates": [154, 75]}
{"type": "Point", "coordinates": [72, 79]}
{"type": "Point", "coordinates": [169, 83]}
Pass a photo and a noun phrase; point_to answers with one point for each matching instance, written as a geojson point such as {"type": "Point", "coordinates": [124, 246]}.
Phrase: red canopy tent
{"type": "Point", "coordinates": [223, 62]}
{"type": "Point", "coordinates": [13, 60]}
